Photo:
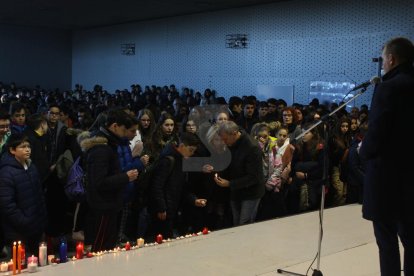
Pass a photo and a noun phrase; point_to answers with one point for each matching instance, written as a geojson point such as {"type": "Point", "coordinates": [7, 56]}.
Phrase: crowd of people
{"type": "Point", "coordinates": [160, 161]}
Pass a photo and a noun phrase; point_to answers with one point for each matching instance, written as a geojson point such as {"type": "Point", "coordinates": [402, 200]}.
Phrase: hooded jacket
{"type": "Point", "coordinates": [106, 181]}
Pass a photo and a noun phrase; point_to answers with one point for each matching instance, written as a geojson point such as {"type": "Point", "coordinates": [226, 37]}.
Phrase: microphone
{"type": "Point", "coordinates": [374, 80]}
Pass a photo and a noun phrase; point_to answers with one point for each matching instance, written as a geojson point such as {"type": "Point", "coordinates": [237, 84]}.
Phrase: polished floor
{"type": "Point", "coordinates": [348, 248]}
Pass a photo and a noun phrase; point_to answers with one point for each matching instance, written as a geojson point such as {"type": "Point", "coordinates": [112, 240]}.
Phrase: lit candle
{"type": "Point", "coordinates": [50, 258]}
{"type": "Point", "coordinates": [14, 258]}
{"type": "Point", "coordinates": [42, 254]}
{"type": "Point", "coordinates": [79, 250]}
{"type": "Point", "coordinates": [140, 242]}
{"type": "Point", "coordinates": [127, 246]}
{"type": "Point", "coordinates": [19, 257]}
{"type": "Point", "coordinates": [32, 259]}
{"type": "Point", "coordinates": [32, 267]}
{"type": "Point", "coordinates": [63, 251]}
{"type": "Point", "coordinates": [4, 267]}
{"type": "Point", "coordinates": [159, 238]}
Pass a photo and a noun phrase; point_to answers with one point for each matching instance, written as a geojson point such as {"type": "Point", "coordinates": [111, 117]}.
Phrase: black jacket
{"type": "Point", "coordinates": [106, 181]}
{"type": "Point", "coordinates": [39, 155]}
{"type": "Point", "coordinates": [167, 182]}
{"type": "Point", "coordinates": [388, 185]}
{"type": "Point", "coordinates": [56, 141]}
{"type": "Point", "coordinates": [246, 169]}
{"type": "Point", "coordinates": [22, 204]}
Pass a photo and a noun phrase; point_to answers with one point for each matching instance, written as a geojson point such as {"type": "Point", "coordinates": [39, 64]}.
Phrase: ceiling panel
{"type": "Point", "coordinates": [83, 14]}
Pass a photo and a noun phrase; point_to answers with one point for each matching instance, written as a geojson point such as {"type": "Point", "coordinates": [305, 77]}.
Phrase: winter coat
{"type": "Point", "coordinates": [388, 185]}
{"type": "Point", "coordinates": [39, 153]}
{"type": "Point", "coordinates": [22, 204]}
{"type": "Point", "coordinates": [15, 128]}
{"type": "Point", "coordinates": [57, 144]}
{"type": "Point", "coordinates": [105, 180]}
{"type": "Point", "coordinates": [167, 182]}
{"type": "Point", "coordinates": [127, 162]}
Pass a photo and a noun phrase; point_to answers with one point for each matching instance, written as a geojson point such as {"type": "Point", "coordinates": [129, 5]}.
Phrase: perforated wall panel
{"type": "Point", "coordinates": [289, 43]}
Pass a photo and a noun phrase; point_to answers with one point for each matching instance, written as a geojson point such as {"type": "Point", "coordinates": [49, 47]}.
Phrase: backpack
{"type": "Point", "coordinates": [144, 182]}
{"type": "Point", "coordinates": [75, 187]}
{"type": "Point", "coordinates": [63, 165]}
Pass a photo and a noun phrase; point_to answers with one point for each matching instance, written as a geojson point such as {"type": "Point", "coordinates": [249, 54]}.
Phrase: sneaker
{"type": "Point", "coordinates": [78, 236]}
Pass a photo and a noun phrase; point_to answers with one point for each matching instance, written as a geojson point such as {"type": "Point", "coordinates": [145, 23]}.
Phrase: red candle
{"type": "Point", "coordinates": [49, 246]}
{"type": "Point", "coordinates": [127, 246]}
{"type": "Point", "coordinates": [159, 238]}
{"type": "Point", "coordinates": [79, 250]}
{"type": "Point", "coordinates": [205, 231]}
{"type": "Point", "coordinates": [23, 257]}
{"type": "Point", "coordinates": [14, 258]}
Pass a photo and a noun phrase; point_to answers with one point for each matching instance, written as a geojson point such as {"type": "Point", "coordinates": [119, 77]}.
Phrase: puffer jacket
{"type": "Point", "coordinates": [22, 204]}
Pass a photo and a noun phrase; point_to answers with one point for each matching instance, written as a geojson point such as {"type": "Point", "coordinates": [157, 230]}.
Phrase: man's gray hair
{"type": "Point", "coordinates": [228, 127]}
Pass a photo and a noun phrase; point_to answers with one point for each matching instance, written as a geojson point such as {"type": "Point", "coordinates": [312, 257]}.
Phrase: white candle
{"type": "Point", "coordinates": [42, 254]}
{"type": "Point", "coordinates": [50, 258]}
{"type": "Point", "coordinates": [140, 242]}
{"type": "Point", "coordinates": [32, 267]}
{"type": "Point", "coordinates": [4, 267]}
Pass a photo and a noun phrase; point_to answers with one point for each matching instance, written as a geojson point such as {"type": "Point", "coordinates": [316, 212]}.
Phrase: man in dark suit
{"type": "Point", "coordinates": [388, 185]}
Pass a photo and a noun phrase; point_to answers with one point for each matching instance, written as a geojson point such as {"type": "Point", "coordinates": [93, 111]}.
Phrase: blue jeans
{"type": "Point", "coordinates": [386, 234]}
{"type": "Point", "coordinates": [244, 211]}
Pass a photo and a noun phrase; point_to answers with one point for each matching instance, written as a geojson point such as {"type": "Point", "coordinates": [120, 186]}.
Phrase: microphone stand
{"type": "Point", "coordinates": [324, 119]}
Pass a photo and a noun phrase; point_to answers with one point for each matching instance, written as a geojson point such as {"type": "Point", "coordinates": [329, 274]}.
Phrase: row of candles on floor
{"type": "Point", "coordinates": [19, 255]}
{"type": "Point", "coordinates": [18, 262]}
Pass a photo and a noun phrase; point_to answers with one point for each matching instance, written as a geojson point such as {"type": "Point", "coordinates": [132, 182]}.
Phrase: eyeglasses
{"type": "Point", "coordinates": [4, 126]}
